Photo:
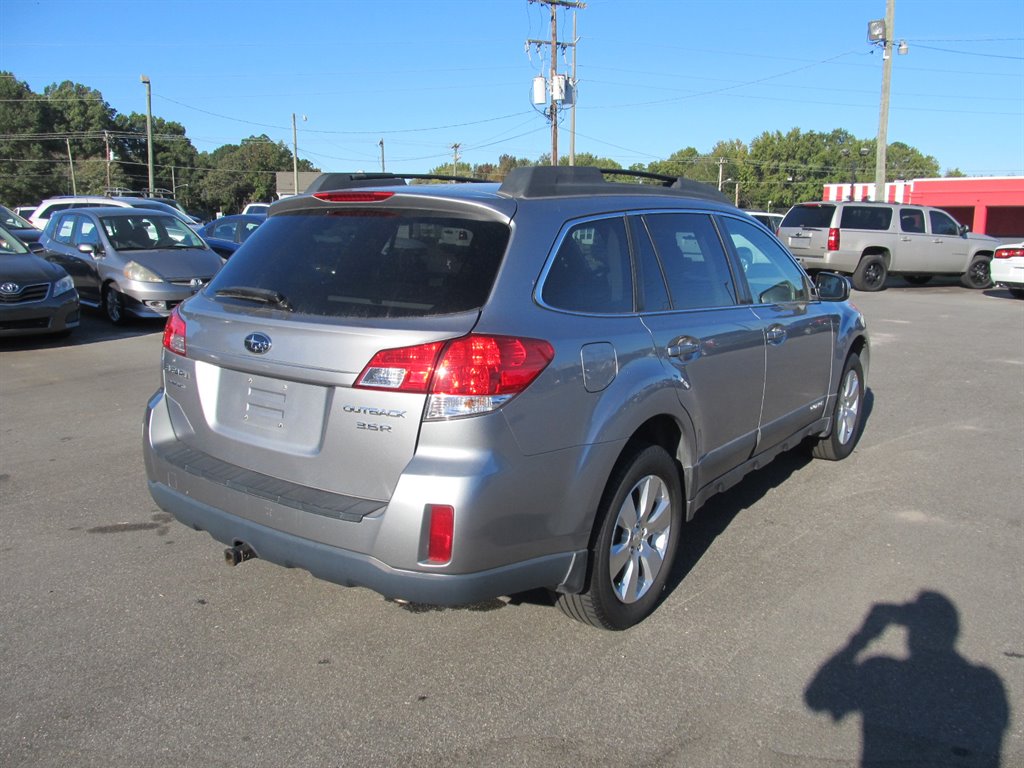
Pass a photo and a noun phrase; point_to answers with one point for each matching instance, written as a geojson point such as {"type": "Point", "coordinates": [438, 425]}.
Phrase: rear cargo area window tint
{"type": "Point", "coordinates": [865, 217]}
{"type": "Point", "coordinates": [370, 264]}
{"type": "Point", "coordinates": [809, 216]}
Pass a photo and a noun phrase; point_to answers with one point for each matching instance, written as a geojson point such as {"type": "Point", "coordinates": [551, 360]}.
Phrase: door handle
{"type": "Point", "coordinates": [905, 239]}
{"type": "Point", "coordinates": [684, 346]}
{"type": "Point", "coordinates": [776, 334]}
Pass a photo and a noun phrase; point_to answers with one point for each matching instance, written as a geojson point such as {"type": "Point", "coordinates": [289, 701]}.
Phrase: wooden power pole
{"type": "Point", "coordinates": [555, 43]}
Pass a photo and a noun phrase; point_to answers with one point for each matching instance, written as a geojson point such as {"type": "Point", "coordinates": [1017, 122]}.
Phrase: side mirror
{"type": "Point", "coordinates": [36, 248]}
{"type": "Point", "coordinates": [832, 287]}
{"type": "Point", "coordinates": [92, 249]}
{"type": "Point", "coordinates": [964, 229]}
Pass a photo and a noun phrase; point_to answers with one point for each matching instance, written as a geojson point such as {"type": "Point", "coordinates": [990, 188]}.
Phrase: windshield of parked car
{"type": "Point", "coordinates": [12, 220]}
{"type": "Point", "coordinates": [368, 264]}
{"type": "Point", "coordinates": [9, 244]}
{"type": "Point", "coordinates": [149, 231]}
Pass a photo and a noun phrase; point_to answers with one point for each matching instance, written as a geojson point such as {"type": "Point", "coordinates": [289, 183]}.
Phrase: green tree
{"type": "Point", "coordinates": [906, 162]}
{"type": "Point", "coordinates": [27, 169]}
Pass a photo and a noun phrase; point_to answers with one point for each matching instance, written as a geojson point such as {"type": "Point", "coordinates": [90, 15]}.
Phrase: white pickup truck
{"type": "Point", "coordinates": [871, 240]}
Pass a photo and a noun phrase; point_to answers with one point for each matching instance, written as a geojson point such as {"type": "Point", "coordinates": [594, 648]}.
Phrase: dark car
{"type": "Point", "coordinates": [227, 233]}
{"type": "Point", "coordinates": [129, 261]}
{"type": "Point", "coordinates": [35, 296]}
{"type": "Point", "coordinates": [19, 226]}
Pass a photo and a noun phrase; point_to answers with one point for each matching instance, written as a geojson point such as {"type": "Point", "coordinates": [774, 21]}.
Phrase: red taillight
{"type": "Point", "coordinates": [174, 334]}
{"type": "Point", "coordinates": [471, 374]}
{"type": "Point", "coordinates": [1009, 253]}
{"type": "Point", "coordinates": [353, 197]}
{"type": "Point", "coordinates": [408, 369]}
{"type": "Point", "coordinates": [441, 532]}
{"type": "Point", "coordinates": [833, 239]}
{"type": "Point", "coordinates": [490, 365]}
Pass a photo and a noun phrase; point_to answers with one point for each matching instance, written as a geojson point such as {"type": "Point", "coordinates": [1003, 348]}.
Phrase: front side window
{"type": "Point", "coordinates": [86, 232]}
{"type": "Point", "coordinates": [942, 224]}
{"type": "Point", "coordinates": [695, 264]}
{"type": "Point", "coordinates": [591, 271]}
{"type": "Point", "coordinates": [355, 263]}
{"type": "Point", "coordinates": [772, 275]}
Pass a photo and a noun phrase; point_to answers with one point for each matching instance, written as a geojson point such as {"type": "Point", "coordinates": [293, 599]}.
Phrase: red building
{"type": "Point", "coordinates": [990, 205]}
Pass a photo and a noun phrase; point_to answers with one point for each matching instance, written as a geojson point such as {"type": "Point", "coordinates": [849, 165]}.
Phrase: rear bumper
{"type": "Point", "coordinates": [374, 544]}
{"type": "Point", "coordinates": [352, 569]}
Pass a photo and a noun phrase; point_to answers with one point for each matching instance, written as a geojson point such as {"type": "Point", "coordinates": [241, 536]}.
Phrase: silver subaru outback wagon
{"type": "Point", "coordinates": [453, 392]}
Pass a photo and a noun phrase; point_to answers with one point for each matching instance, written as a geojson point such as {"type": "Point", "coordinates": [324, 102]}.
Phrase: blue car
{"type": "Point", "coordinates": [227, 233]}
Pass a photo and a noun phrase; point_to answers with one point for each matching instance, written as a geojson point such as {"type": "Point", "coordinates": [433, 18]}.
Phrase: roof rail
{"type": "Point", "coordinates": [336, 181]}
{"type": "Point", "coordinates": [554, 181]}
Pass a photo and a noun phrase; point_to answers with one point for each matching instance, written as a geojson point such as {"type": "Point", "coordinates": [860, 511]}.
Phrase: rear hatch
{"type": "Point", "coordinates": [805, 228]}
{"type": "Point", "coordinates": [277, 340]}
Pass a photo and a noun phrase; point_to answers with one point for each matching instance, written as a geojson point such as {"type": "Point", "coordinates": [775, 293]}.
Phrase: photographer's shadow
{"type": "Point", "coordinates": [932, 708]}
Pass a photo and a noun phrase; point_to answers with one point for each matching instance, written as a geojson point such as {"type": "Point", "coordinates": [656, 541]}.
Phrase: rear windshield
{"type": "Point", "coordinates": [867, 217]}
{"type": "Point", "coordinates": [809, 216]}
{"type": "Point", "coordinates": [368, 264]}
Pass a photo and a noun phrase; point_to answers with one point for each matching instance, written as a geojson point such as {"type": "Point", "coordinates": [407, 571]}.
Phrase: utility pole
{"type": "Point", "coordinates": [455, 159]}
{"type": "Point", "coordinates": [106, 142]}
{"type": "Point", "coordinates": [381, 145]}
{"type": "Point", "coordinates": [721, 164]}
{"type": "Point", "coordinates": [883, 110]}
{"type": "Point", "coordinates": [572, 121]}
{"type": "Point", "coordinates": [557, 94]}
{"type": "Point", "coordinates": [71, 165]}
{"type": "Point", "coordinates": [149, 129]}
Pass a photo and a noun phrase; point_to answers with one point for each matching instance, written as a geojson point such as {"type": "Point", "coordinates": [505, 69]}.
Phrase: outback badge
{"type": "Point", "coordinates": [258, 343]}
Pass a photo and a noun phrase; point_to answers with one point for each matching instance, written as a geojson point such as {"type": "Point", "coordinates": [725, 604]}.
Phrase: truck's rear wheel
{"type": "Point", "coordinates": [870, 273]}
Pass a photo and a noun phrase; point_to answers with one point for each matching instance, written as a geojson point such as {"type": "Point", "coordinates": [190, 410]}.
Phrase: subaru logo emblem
{"type": "Point", "coordinates": [10, 289]}
{"type": "Point", "coordinates": [258, 343]}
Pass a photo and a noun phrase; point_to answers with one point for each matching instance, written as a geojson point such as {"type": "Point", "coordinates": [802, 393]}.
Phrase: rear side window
{"type": "Point", "coordinates": [591, 271]}
{"type": "Point", "coordinates": [694, 261]}
{"type": "Point", "coordinates": [370, 264]}
{"type": "Point", "coordinates": [866, 217]}
{"type": "Point", "coordinates": [819, 216]}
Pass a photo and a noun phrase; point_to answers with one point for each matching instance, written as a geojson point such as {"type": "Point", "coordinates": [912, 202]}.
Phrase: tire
{"type": "Point", "coordinates": [639, 521]}
{"type": "Point", "coordinates": [917, 279]}
{"type": "Point", "coordinates": [978, 274]}
{"type": "Point", "coordinates": [113, 305]}
{"type": "Point", "coordinates": [847, 416]}
{"type": "Point", "coordinates": [870, 273]}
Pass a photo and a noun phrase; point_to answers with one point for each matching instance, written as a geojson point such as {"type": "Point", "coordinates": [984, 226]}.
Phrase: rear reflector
{"type": "Point", "coordinates": [442, 529]}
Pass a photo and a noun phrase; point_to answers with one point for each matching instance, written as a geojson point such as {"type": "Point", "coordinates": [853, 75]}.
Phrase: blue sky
{"type": "Point", "coordinates": [655, 76]}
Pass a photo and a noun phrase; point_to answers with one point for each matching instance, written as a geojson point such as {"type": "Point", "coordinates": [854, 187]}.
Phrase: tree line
{"type": "Point", "coordinates": [68, 139]}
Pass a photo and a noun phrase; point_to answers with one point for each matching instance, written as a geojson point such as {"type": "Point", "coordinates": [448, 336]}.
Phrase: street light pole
{"type": "Point", "coordinates": [149, 129]}
{"type": "Point", "coordinates": [295, 155]}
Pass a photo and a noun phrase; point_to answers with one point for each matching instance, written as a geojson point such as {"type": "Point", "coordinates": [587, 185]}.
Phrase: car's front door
{"type": "Point", "coordinates": [950, 247]}
{"type": "Point", "coordinates": [62, 248]}
{"type": "Point", "coordinates": [710, 341]}
{"type": "Point", "coordinates": [799, 333]}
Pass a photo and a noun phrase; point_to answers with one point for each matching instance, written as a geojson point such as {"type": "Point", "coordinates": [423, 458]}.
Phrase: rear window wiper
{"type": "Point", "coordinates": [262, 295]}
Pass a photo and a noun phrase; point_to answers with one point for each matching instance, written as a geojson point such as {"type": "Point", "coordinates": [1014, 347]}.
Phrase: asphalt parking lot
{"type": "Point", "coordinates": [819, 611]}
